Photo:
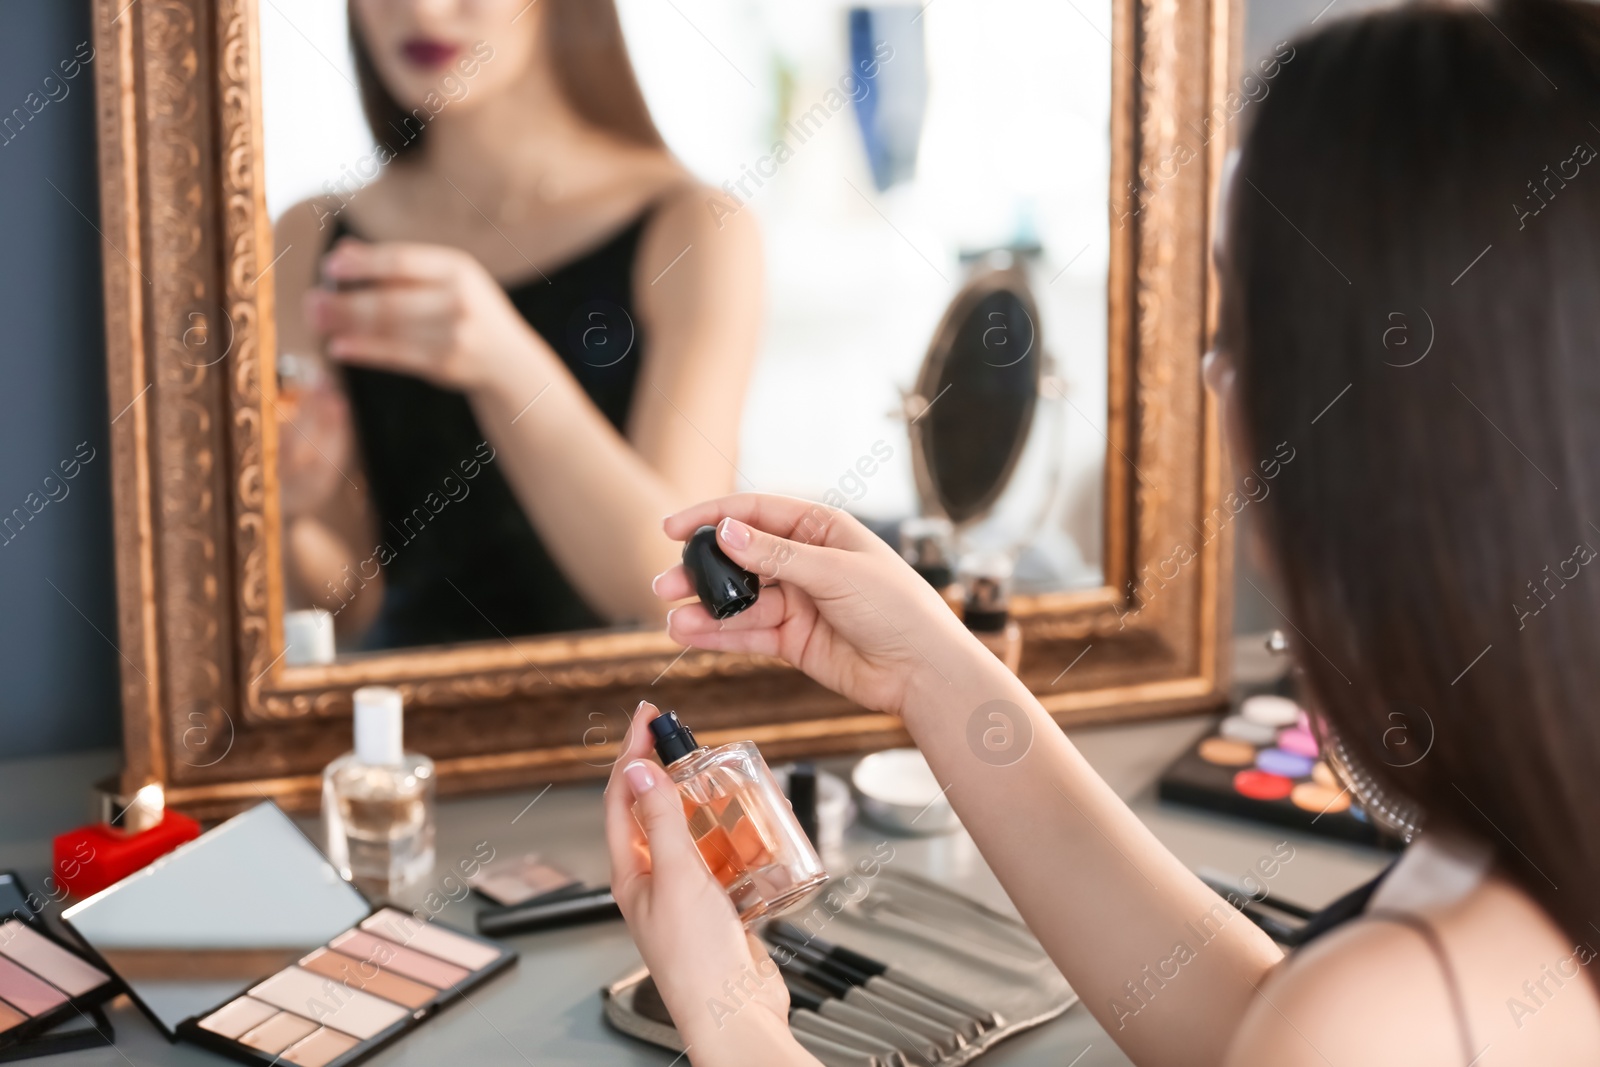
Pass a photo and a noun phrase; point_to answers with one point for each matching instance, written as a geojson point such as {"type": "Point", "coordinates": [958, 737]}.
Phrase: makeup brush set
{"type": "Point", "coordinates": [909, 973]}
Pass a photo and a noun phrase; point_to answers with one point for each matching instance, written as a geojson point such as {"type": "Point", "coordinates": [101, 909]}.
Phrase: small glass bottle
{"type": "Point", "coordinates": [742, 824]}
{"type": "Point", "coordinates": [377, 801]}
{"type": "Point", "coordinates": [987, 612]}
{"type": "Point", "coordinates": [928, 544]}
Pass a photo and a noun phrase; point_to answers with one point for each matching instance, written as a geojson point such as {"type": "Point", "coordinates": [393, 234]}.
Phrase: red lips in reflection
{"type": "Point", "coordinates": [427, 53]}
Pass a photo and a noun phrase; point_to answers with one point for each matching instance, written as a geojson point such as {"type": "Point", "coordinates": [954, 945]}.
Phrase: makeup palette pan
{"type": "Point", "coordinates": [43, 981]}
{"type": "Point", "coordinates": [1263, 762]}
{"type": "Point", "coordinates": [248, 942]}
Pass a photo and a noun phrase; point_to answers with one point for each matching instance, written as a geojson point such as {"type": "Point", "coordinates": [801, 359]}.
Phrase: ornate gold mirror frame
{"type": "Point", "coordinates": [210, 710]}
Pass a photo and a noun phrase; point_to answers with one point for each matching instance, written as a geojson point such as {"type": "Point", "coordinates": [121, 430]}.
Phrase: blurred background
{"type": "Point", "coordinates": [58, 663]}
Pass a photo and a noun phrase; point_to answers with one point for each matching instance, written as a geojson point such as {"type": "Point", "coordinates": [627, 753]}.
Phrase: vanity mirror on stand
{"type": "Point", "coordinates": [985, 237]}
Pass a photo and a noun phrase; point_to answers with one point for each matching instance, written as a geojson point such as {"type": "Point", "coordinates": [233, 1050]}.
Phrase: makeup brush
{"type": "Point", "coordinates": [904, 1020]}
{"type": "Point", "coordinates": [968, 1025]}
{"type": "Point", "coordinates": [648, 1003]}
{"type": "Point", "coordinates": [899, 975]}
{"type": "Point", "coordinates": [804, 1020]}
{"type": "Point", "coordinates": [831, 1053]}
{"type": "Point", "coordinates": [864, 1020]}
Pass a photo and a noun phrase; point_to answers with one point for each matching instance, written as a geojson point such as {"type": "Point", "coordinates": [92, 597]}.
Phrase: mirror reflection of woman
{"type": "Point", "coordinates": [517, 347]}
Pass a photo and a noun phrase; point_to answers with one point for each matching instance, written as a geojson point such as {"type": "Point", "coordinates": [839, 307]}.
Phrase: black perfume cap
{"type": "Point", "coordinates": [673, 739]}
{"type": "Point", "coordinates": [724, 587]}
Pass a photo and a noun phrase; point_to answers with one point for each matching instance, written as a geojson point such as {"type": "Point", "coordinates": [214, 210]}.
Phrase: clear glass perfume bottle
{"type": "Point", "coordinates": [741, 821]}
{"type": "Point", "coordinates": [377, 801]}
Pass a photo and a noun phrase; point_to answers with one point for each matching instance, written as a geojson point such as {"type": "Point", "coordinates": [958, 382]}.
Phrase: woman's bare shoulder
{"type": "Point", "coordinates": [691, 217]}
{"type": "Point", "coordinates": [1368, 993]}
{"type": "Point", "coordinates": [1374, 992]}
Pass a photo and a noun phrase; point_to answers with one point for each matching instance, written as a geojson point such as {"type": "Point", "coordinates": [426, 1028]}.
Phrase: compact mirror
{"type": "Point", "coordinates": [974, 402]}
{"type": "Point", "coordinates": [195, 927]}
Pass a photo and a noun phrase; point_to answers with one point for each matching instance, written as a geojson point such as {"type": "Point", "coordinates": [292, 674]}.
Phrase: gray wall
{"type": "Point", "coordinates": [58, 669]}
{"type": "Point", "coordinates": [58, 666]}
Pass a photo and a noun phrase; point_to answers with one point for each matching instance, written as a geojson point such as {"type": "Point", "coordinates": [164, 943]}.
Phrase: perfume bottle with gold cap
{"type": "Point", "coordinates": [741, 822]}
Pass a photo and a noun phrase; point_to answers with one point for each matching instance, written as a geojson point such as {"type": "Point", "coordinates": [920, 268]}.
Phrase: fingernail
{"type": "Point", "coordinates": [669, 617]}
{"type": "Point", "coordinates": [641, 706]}
{"type": "Point", "coordinates": [656, 581]}
{"type": "Point", "coordinates": [734, 533]}
{"type": "Point", "coordinates": [640, 778]}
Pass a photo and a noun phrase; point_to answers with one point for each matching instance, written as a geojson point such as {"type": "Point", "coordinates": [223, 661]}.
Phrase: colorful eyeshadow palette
{"type": "Point", "coordinates": [247, 941]}
{"type": "Point", "coordinates": [1264, 762]}
{"type": "Point", "coordinates": [43, 981]}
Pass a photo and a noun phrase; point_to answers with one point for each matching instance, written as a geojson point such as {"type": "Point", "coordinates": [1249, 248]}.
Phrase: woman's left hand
{"type": "Point", "coordinates": [429, 311]}
{"type": "Point", "coordinates": [725, 994]}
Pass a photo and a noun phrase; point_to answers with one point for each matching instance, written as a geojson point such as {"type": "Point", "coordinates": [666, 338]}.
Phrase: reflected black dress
{"type": "Point", "coordinates": [459, 558]}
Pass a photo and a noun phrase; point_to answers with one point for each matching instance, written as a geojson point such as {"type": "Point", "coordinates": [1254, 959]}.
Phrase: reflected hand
{"type": "Point", "coordinates": [683, 922]}
{"type": "Point", "coordinates": [425, 310]}
{"type": "Point", "coordinates": [845, 609]}
{"type": "Point", "coordinates": [314, 446]}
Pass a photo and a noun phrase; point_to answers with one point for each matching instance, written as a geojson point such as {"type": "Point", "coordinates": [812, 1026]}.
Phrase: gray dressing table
{"type": "Point", "coordinates": [546, 1010]}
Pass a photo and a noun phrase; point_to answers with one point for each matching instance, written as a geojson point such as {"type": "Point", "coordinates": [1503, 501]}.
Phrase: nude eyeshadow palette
{"type": "Point", "coordinates": [343, 1000]}
{"type": "Point", "coordinates": [44, 982]}
{"type": "Point", "coordinates": [246, 941]}
{"type": "Point", "coordinates": [1264, 762]}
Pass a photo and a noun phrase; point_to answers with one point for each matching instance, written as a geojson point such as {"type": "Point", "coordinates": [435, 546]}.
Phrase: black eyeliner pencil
{"type": "Point", "coordinates": [596, 905]}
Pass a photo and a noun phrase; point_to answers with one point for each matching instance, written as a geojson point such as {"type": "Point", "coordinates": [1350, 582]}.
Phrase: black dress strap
{"type": "Point", "coordinates": [1452, 983]}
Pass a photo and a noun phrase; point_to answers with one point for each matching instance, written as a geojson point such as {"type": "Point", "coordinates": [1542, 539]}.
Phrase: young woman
{"type": "Point", "coordinates": [540, 330]}
{"type": "Point", "coordinates": [1427, 163]}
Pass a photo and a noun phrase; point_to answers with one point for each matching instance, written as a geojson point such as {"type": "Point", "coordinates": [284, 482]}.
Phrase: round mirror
{"type": "Point", "coordinates": [975, 397]}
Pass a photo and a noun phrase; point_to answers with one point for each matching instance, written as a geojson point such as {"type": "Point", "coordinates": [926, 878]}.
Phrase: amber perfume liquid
{"type": "Point", "coordinates": [380, 822]}
{"type": "Point", "coordinates": [741, 822]}
{"type": "Point", "coordinates": [377, 802]}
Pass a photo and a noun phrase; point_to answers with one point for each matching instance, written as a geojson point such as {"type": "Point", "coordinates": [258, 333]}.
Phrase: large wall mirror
{"type": "Point", "coordinates": [960, 258]}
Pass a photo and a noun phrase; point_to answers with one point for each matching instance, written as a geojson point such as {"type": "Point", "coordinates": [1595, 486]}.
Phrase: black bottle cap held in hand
{"type": "Point", "coordinates": [724, 587]}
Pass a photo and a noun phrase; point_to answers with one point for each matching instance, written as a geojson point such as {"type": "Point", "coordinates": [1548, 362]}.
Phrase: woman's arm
{"type": "Point", "coordinates": [595, 496]}
{"type": "Point", "coordinates": [324, 508]}
{"type": "Point", "coordinates": [1168, 967]}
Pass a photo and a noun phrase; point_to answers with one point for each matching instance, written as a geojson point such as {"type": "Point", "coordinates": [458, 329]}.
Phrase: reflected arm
{"type": "Point", "coordinates": [597, 497]}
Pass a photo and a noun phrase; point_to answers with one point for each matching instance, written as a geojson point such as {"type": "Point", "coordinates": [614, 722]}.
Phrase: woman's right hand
{"type": "Point", "coordinates": [838, 602]}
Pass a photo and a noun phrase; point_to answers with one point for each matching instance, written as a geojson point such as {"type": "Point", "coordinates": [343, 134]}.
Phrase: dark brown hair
{"type": "Point", "coordinates": [582, 40]}
{"type": "Point", "coordinates": [1432, 171]}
